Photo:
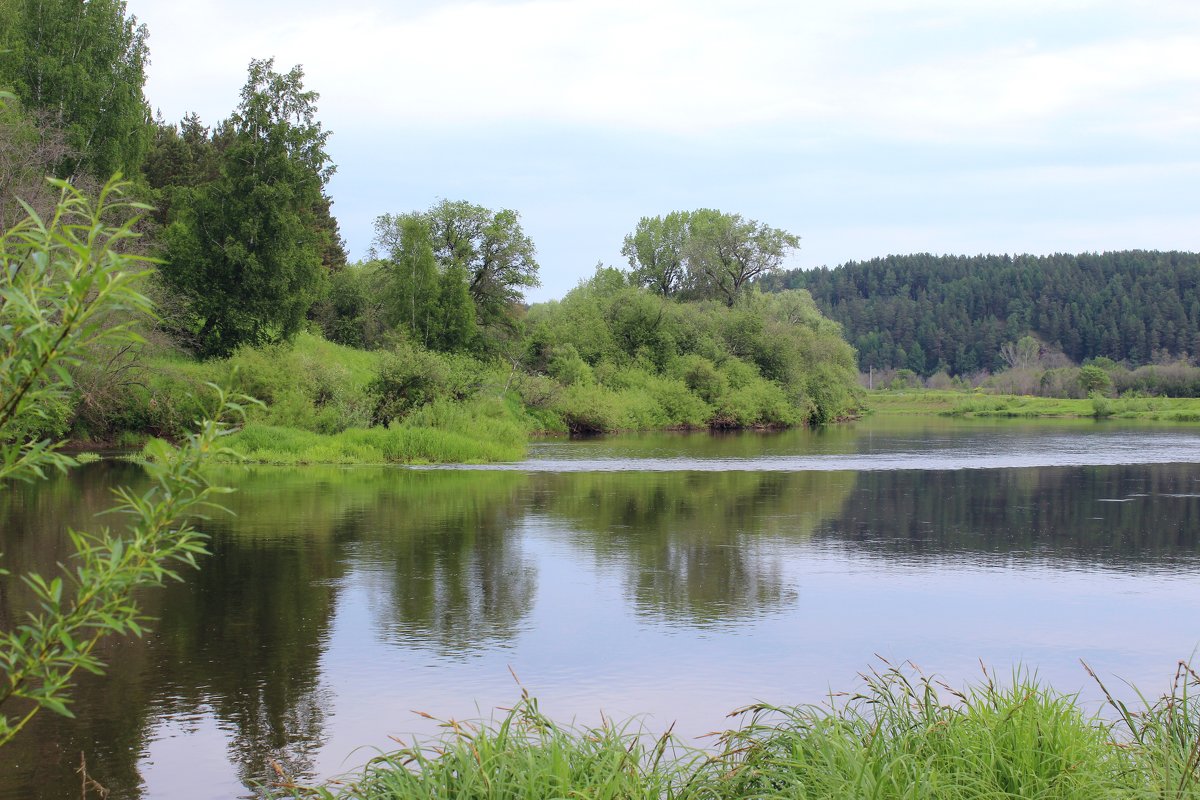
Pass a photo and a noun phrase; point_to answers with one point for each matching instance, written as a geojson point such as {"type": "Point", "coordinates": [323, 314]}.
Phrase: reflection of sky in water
{"type": "Point", "coordinates": [1040, 567]}
{"type": "Point", "coordinates": [583, 650]}
{"type": "Point", "coordinates": [186, 757]}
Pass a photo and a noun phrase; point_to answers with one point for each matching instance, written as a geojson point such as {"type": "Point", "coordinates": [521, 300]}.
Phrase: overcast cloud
{"type": "Point", "coordinates": [867, 127]}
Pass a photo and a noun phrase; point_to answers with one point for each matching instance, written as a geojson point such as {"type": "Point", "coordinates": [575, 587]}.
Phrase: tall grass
{"type": "Point", "coordinates": [267, 444]}
{"type": "Point", "coordinates": [523, 756]}
{"type": "Point", "coordinates": [902, 735]}
{"type": "Point", "coordinates": [905, 736]}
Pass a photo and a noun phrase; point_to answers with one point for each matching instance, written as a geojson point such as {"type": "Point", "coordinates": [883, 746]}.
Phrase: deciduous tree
{"type": "Point", "coordinates": [725, 251]}
{"type": "Point", "coordinates": [488, 248]}
{"type": "Point", "coordinates": [83, 63]}
{"type": "Point", "coordinates": [656, 252]}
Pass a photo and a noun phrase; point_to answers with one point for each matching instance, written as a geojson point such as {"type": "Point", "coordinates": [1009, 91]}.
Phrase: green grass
{"type": "Point", "coordinates": [977, 404]}
{"type": "Point", "coordinates": [903, 735]}
{"type": "Point", "coordinates": [523, 755]}
{"type": "Point", "coordinates": [268, 444]}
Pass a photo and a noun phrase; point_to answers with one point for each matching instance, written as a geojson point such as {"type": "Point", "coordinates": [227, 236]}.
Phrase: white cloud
{"type": "Point", "coordinates": [799, 113]}
{"type": "Point", "coordinates": [926, 70]}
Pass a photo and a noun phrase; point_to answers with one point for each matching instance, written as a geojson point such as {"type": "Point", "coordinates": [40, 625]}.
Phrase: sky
{"type": "Point", "coordinates": [866, 127]}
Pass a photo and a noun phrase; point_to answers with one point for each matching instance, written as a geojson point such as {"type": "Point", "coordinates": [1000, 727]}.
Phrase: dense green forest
{"type": "Point", "coordinates": [954, 313]}
{"type": "Point", "coordinates": [427, 350]}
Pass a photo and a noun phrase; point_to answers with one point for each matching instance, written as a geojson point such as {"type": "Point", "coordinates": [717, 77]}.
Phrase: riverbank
{"type": "Point", "coordinates": [976, 404]}
{"type": "Point", "coordinates": [900, 735]}
{"type": "Point", "coordinates": [325, 403]}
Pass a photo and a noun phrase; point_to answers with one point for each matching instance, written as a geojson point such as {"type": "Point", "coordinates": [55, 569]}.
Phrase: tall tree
{"type": "Point", "coordinates": [412, 286]}
{"type": "Point", "coordinates": [244, 251]}
{"type": "Point", "coordinates": [724, 252]}
{"type": "Point", "coordinates": [83, 62]}
{"type": "Point", "coordinates": [491, 249]}
{"type": "Point", "coordinates": [656, 252]}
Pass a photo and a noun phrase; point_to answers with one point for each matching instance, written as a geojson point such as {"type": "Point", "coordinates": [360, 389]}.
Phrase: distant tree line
{"type": "Point", "coordinates": [930, 313]}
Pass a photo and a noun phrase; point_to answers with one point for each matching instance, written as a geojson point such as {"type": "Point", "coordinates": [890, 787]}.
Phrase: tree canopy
{"type": "Point", "coordinates": [704, 254]}
{"type": "Point", "coordinates": [957, 312]}
{"type": "Point", "coordinates": [82, 63]}
{"type": "Point", "coordinates": [488, 252]}
{"type": "Point", "coordinates": [244, 249]}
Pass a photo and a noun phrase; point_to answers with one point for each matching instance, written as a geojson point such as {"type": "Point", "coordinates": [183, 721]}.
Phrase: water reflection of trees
{"type": "Point", "coordinates": [242, 639]}
{"type": "Point", "coordinates": [34, 519]}
{"type": "Point", "coordinates": [454, 574]}
{"type": "Point", "coordinates": [1122, 516]}
{"type": "Point", "coordinates": [442, 551]}
{"type": "Point", "coordinates": [698, 548]}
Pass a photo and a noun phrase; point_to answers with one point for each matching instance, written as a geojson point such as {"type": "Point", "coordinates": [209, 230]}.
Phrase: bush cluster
{"type": "Point", "coordinates": [621, 357]}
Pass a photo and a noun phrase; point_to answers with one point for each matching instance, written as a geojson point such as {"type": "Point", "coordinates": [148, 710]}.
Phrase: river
{"type": "Point", "coordinates": [667, 577]}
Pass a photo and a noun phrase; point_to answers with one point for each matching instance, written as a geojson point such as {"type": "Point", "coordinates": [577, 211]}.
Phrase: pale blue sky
{"type": "Point", "coordinates": [867, 127]}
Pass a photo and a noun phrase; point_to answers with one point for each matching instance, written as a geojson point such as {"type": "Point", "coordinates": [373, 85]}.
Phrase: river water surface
{"type": "Point", "coordinates": [669, 577]}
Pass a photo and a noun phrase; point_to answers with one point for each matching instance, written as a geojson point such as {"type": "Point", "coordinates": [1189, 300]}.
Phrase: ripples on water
{"type": "Point", "coordinates": [888, 452]}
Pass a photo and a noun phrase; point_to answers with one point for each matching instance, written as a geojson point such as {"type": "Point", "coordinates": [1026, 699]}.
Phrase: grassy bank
{"type": "Point", "coordinates": [323, 402]}
{"type": "Point", "coordinates": [901, 736]}
{"type": "Point", "coordinates": [976, 404]}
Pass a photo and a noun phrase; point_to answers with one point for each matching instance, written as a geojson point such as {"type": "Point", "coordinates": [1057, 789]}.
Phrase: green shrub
{"type": "Point", "coordinates": [1093, 379]}
{"type": "Point", "coordinates": [588, 410]}
{"type": "Point", "coordinates": [568, 367]}
{"type": "Point", "coordinates": [702, 377]}
{"type": "Point", "coordinates": [410, 377]}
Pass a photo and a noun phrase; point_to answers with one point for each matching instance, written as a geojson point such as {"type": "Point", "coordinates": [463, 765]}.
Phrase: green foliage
{"type": "Point", "coordinates": [568, 368]}
{"type": "Point", "coordinates": [1094, 379]}
{"type": "Point", "coordinates": [244, 251]}
{"type": "Point", "coordinates": [1024, 353]}
{"type": "Point", "coordinates": [453, 321]}
{"type": "Point", "coordinates": [473, 248]}
{"type": "Point", "coordinates": [769, 361]}
{"type": "Point", "coordinates": [411, 279]}
{"type": "Point", "coordinates": [351, 312]}
{"type": "Point", "coordinates": [409, 377]}
{"type": "Point", "coordinates": [656, 252]}
{"type": "Point", "coordinates": [901, 735]}
{"type": "Point", "coordinates": [63, 281]}
{"type": "Point", "coordinates": [1130, 306]}
{"type": "Point", "coordinates": [724, 252]}
{"type": "Point", "coordinates": [705, 254]}
{"type": "Point", "coordinates": [83, 64]}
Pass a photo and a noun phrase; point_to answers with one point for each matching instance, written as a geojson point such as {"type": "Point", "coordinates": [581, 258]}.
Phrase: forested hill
{"type": "Point", "coordinates": [926, 312]}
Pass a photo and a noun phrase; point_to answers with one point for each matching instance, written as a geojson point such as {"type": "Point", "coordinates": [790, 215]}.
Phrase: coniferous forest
{"type": "Point", "coordinates": [932, 313]}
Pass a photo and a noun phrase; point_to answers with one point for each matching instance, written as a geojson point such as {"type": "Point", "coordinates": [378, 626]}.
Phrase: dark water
{"type": "Point", "coordinates": [674, 577]}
